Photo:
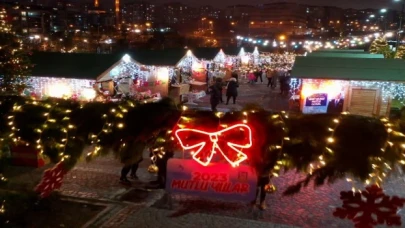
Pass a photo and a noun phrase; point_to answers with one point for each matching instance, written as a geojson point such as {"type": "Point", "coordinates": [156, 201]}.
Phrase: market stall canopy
{"type": "Point", "coordinates": [125, 59]}
{"type": "Point", "coordinates": [165, 57]}
{"type": "Point", "coordinates": [71, 65]}
{"type": "Point", "coordinates": [349, 68]}
{"type": "Point", "coordinates": [345, 54]}
{"type": "Point", "coordinates": [206, 53]}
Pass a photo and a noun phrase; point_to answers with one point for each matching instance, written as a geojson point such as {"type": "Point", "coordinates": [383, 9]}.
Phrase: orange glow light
{"type": "Point", "coordinates": [214, 137]}
{"type": "Point", "coordinates": [331, 87]}
{"type": "Point", "coordinates": [117, 6]}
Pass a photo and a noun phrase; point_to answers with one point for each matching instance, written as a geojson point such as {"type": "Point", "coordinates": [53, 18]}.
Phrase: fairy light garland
{"type": "Point", "coordinates": [107, 128]}
{"type": "Point", "coordinates": [160, 151]}
{"type": "Point", "coordinates": [280, 163]}
{"type": "Point", "coordinates": [330, 140]}
{"type": "Point", "coordinates": [2, 207]}
{"type": "Point", "coordinates": [379, 165]}
{"type": "Point", "coordinates": [59, 117]}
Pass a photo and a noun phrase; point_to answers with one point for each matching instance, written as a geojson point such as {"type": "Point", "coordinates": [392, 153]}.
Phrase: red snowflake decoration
{"type": "Point", "coordinates": [370, 208]}
{"type": "Point", "coordinates": [51, 180]}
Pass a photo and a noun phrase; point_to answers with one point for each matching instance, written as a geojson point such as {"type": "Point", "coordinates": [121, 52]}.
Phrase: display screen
{"type": "Point", "coordinates": [323, 96]}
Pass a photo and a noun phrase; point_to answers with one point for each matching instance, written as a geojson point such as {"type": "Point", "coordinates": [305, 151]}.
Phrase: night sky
{"type": "Point", "coordinates": [339, 3]}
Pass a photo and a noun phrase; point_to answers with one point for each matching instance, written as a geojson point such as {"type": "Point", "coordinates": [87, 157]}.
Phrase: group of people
{"type": "Point", "coordinates": [273, 76]}
{"type": "Point", "coordinates": [216, 90]}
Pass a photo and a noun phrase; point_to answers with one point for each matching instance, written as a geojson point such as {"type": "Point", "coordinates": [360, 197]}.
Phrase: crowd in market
{"type": "Point", "coordinates": [274, 78]}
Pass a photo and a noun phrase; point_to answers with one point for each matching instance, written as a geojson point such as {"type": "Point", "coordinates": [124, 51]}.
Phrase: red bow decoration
{"type": "Point", "coordinates": [234, 138]}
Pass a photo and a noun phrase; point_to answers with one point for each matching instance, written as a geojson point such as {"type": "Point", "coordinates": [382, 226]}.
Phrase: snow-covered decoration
{"type": "Point", "coordinates": [220, 57]}
{"type": "Point", "coordinates": [256, 57]}
{"type": "Point", "coordinates": [43, 87]}
{"type": "Point", "coordinates": [242, 52]}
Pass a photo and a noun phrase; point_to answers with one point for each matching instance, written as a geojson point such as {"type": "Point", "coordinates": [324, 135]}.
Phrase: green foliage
{"type": "Point", "coordinates": [325, 147]}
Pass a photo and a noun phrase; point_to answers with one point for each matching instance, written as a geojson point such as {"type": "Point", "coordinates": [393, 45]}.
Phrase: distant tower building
{"type": "Point", "coordinates": [117, 13]}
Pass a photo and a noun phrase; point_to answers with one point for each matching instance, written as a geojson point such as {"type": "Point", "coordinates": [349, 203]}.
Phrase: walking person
{"type": "Point", "coordinates": [263, 179]}
{"type": "Point", "coordinates": [258, 74]}
{"type": "Point", "coordinates": [251, 77]}
{"type": "Point", "coordinates": [220, 85]}
{"type": "Point", "coordinates": [232, 89]}
{"type": "Point", "coordinates": [269, 76]}
{"type": "Point", "coordinates": [161, 163]}
{"type": "Point", "coordinates": [131, 164]}
{"type": "Point", "coordinates": [215, 93]}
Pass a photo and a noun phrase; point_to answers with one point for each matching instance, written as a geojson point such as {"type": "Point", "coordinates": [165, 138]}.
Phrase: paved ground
{"type": "Point", "coordinates": [98, 180]}
{"type": "Point", "coordinates": [309, 208]}
{"type": "Point", "coordinates": [259, 93]}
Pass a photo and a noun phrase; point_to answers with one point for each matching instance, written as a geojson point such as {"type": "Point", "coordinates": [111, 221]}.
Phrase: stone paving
{"type": "Point", "coordinates": [157, 218]}
{"type": "Point", "coordinates": [309, 208]}
{"type": "Point", "coordinates": [269, 99]}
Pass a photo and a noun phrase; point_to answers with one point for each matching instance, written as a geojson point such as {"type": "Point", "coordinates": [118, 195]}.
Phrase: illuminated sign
{"type": "Point", "coordinates": [229, 142]}
{"type": "Point", "coordinates": [217, 180]}
{"type": "Point", "coordinates": [323, 96]}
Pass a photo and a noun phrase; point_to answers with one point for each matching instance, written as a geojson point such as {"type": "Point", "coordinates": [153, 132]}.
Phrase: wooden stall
{"type": "Point", "coordinates": [358, 83]}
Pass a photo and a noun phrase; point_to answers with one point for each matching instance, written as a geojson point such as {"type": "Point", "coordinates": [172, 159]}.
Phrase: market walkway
{"type": "Point", "coordinates": [258, 93]}
{"type": "Point", "coordinates": [98, 180]}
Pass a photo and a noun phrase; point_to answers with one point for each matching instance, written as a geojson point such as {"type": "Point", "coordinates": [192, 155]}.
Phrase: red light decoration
{"type": "Point", "coordinates": [370, 208]}
{"type": "Point", "coordinates": [51, 180]}
{"type": "Point", "coordinates": [217, 141]}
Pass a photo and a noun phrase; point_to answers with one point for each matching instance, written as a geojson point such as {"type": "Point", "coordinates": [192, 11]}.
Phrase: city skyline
{"type": "Point", "coordinates": [358, 4]}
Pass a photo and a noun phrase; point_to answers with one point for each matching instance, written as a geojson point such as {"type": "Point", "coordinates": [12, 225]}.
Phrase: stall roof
{"type": "Point", "coordinates": [205, 53]}
{"type": "Point", "coordinates": [165, 57]}
{"type": "Point", "coordinates": [71, 65]}
{"type": "Point", "coordinates": [345, 54]}
{"type": "Point", "coordinates": [235, 50]}
{"type": "Point", "coordinates": [349, 68]}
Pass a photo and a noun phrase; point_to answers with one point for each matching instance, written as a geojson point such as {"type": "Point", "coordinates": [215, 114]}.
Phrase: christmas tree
{"type": "Point", "coordinates": [380, 46]}
{"type": "Point", "coordinates": [14, 62]}
{"type": "Point", "coordinates": [400, 54]}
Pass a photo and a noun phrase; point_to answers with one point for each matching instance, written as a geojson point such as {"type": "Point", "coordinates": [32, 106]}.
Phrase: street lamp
{"type": "Point", "coordinates": [401, 16]}
{"type": "Point", "coordinates": [384, 22]}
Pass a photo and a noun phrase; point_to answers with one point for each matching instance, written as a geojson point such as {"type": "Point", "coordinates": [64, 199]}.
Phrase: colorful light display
{"type": "Point", "coordinates": [323, 96]}
{"type": "Point", "coordinates": [59, 87]}
{"type": "Point", "coordinates": [308, 87]}
{"type": "Point", "coordinates": [213, 142]}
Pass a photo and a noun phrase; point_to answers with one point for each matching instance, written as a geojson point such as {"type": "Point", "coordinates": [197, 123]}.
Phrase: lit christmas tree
{"type": "Point", "coordinates": [400, 54]}
{"type": "Point", "coordinates": [380, 46]}
{"type": "Point", "coordinates": [14, 62]}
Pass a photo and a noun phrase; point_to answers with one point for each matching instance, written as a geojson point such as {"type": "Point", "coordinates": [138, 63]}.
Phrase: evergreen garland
{"type": "Point", "coordinates": [325, 147]}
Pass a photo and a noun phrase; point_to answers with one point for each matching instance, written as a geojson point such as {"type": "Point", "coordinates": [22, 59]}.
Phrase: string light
{"type": "Point", "coordinates": [389, 90]}
{"type": "Point", "coordinates": [2, 207]}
